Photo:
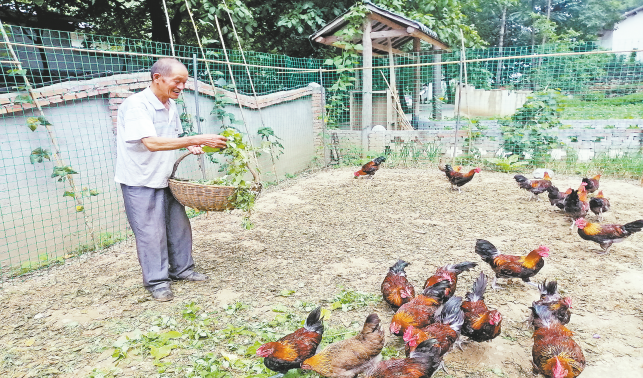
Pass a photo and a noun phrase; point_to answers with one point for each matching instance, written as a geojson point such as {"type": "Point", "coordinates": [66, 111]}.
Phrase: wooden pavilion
{"type": "Point", "coordinates": [384, 32]}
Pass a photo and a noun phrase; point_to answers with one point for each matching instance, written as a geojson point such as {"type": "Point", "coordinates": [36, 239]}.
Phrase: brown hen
{"type": "Point", "coordinates": [348, 358]}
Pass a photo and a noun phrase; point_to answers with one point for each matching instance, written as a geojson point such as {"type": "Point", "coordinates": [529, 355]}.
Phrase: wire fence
{"type": "Point", "coordinates": [570, 107]}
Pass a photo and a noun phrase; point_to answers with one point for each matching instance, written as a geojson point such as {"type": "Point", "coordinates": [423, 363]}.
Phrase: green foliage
{"type": "Point", "coordinates": [350, 300]}
{"type": "Point", "coordinates": [62, 172]}
{"type": "Point", "coordinates": [508, 164]}
{"type": "Point", "coordinates": [34, 122]}
{"type": "Point", "coordinates": [236, 168]}
{"type": "Point", "coordinates": [105, 373]}
{"type": "Point", "coordinates": [39, 155]}
{"type": "Point", "coordinates": [528, 133]}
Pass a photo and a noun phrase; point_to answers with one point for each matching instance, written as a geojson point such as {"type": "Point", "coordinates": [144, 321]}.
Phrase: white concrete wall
{"type": "Point", "coordinates": [489, 103]}
{"type": "Point", "coordinates": [627, 35]}
{"type": "Point", "coordinates": [37, 219]}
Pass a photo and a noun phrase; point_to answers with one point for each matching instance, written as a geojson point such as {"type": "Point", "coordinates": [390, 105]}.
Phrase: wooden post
{"type": "Point", "coordinates": [391, 62]}
{"type": "Point", "coordinates": [416, 85]}
{"type": "Point", "coordinates": [437, 84]}
{"type": "Point", "coordinates": [367, 87]}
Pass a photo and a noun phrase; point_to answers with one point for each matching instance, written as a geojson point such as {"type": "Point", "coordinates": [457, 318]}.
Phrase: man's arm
{"type": "Point", "coordinates": [166, 144]}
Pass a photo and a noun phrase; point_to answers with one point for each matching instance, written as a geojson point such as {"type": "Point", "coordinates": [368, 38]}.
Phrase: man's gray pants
{"type": "Point", "coordinates": [163, 234]}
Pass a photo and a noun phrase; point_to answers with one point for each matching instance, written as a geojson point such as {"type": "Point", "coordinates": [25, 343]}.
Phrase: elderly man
{"type": "Point", "coordinates": [147, 131]}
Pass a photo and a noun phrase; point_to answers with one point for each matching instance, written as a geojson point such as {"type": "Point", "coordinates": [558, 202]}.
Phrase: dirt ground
{"type": "Point", "coordinates": [325, 231]}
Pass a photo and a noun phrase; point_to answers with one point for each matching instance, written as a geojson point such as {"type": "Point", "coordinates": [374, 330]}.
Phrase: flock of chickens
{"type": "Point", "coordinates": [432, 322]}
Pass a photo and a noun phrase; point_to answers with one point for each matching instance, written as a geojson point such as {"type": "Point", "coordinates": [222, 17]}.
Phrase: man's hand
{"type": "Point", "coordinates": [213, 140]}
{"type": "Point", "coordinates": [196, 150]}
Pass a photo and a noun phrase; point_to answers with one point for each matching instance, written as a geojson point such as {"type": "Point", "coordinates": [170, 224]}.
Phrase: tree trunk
{"type": "Point", "coordinates": [548, 18]}
{"type": "Point", "coordinates": [501, 42]}
{"type": "Point", "coordinates": [159, 25]}
{"type": "Point", "coordinates": [175, 25]}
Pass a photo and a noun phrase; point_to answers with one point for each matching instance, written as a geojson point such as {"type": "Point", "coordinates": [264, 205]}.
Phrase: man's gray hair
{"type": "Point", "coordinates": [164, 66]}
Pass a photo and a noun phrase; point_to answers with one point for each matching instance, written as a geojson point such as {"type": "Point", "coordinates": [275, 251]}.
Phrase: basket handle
{"type": "Point", "coordinates": [176, 165]}
{"type": "Point", "coordinates": [255, 176]}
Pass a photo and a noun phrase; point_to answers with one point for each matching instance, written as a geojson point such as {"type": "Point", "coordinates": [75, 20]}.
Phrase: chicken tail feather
{"type": "Point", "coordinates": [633, 227]}
{"type": "Point", "coordinates": [437, 290]}
{"type": "Point", "coordinates": [314, 321]}
{"type": "Point", "coordinates": [399, 266]}
{"type": "Point", "coordinates": [451, 314]}
{"type": "Point", "coordinates": [459, 268]}
{"type": "Point", "coordinates": [486, 250]}
{"type": "Point", "coordinates": [428, 353]}
{"type": "Point", "coordinates": [479, 287]}
{"type": "Point", "coordinates": [548, 288]}
{"type": "Point", "coordinates": [371, 325]}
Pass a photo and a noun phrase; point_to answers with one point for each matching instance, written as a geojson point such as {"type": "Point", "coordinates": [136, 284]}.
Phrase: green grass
{"type": "Point", "coordinates": [223, 343]}
{"type": "Point", "coordinates": [595, 106]}
{"type": "Point", "coordinates": [591, 110]}
{"type": "Point", "coordinates": [104, 240]}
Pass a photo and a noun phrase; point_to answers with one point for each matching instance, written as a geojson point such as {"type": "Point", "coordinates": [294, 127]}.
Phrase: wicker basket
{"type": "Point", "coordinates": [204, 197]}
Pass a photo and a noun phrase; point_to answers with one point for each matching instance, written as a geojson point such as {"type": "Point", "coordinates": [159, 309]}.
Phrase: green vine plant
{"type": "Point", "coordinates": [338, 93]}
{"type": "Point", "coordinates": [528, 133]}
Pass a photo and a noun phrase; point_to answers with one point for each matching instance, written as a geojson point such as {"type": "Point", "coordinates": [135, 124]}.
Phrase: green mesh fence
{"type": "Point", "coordinates": [79, 81]}
{"type": "Point", "coordinates": [573, 108]}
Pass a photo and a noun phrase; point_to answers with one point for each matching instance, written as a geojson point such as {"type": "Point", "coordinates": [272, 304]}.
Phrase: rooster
{"type": "Point", "coordinates": [370, 168]}
{"type": "Point", "coordinates": [558, 305]}
{"type": "Point", "coordinates": [457, 169]}
{"type": "Point", "coordinates": [449, 273]}
{"type": "Point", "coordinates": [599, 205]}
{"type": "Point", "coordinates": [480, 323]}
{"type": "Point", "coordinates": [576, 205]}
{"type": "Point", "coordinates": [348, 358]}
{"type": "Point", "coordinates": [508, 266]}
{"type": "Point", "coordinates": [396, 289]}
{"type": "Point", "coordinates": [420, 310]}
{"type": "Point", "coordinates": [555, 354]}
{"type": "Point", "coordinates": [445, 329]}
{"type": "Point", "coordinates": [421, 363]}
{"type": "Point", "coordinates": [556, 198]}
{"type": "Point", "coordinates": [289, 351]}
{"type": "Point", "coordinates": [607, 234]}
{"type": "Point", "coordinates": [535, 187]}
{"type": "Point", "coordinates": [592, 184]}
{"type": "Point", "coordinates": [458, 179]}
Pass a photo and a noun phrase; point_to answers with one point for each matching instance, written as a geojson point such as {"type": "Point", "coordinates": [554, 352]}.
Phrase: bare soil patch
{"type": "Point", "coordinates": [327, 231]}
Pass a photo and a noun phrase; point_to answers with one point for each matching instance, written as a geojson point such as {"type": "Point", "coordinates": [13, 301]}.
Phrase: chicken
{"type": "Point", "coordinates": [445, 329]}
{"type": "Point", "coordinates": [556, 198]}
{"type": "Point", "coordinates": [508, 266]}
{"type": "Point", "coordinates": [535, 187]}
{"type": "Point", "coordinates": [420, 310]}
{"type": "Point", "coordinates": [348, 358]}
{"type": "Point", "coordinates": [607, 234]}
{"type": "Point", "coordinates": [396, 289]}
{"type": "Point", "coordinates": [449, 273]}
{"type": "Point", "coordinates": [289, 351]}
{"type": "Point", "coordinates": [592, 184]}
{"type": "Point", "coordinates": [480, 323]}
{"type": "Point", "coordinates": [555, 354]}
{"type": "Point", "coordinates": [558, 305]}
{"type": "Point", "coordinates": [456, 169]}
{"type": "Point", "coordinates": [370, 168]}
{"type": "Point", "coordinates": [458, 179]}
{"type": "Point", "coordinates": [599, 205]}
{"type": "Point", "coordinates": [421, 363]}
{"type": "Point", "coordinates": [576, 205]}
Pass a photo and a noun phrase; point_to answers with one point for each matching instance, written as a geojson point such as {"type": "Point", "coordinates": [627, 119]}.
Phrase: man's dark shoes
{"type": "Point", "coordinates": [162, 294]}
